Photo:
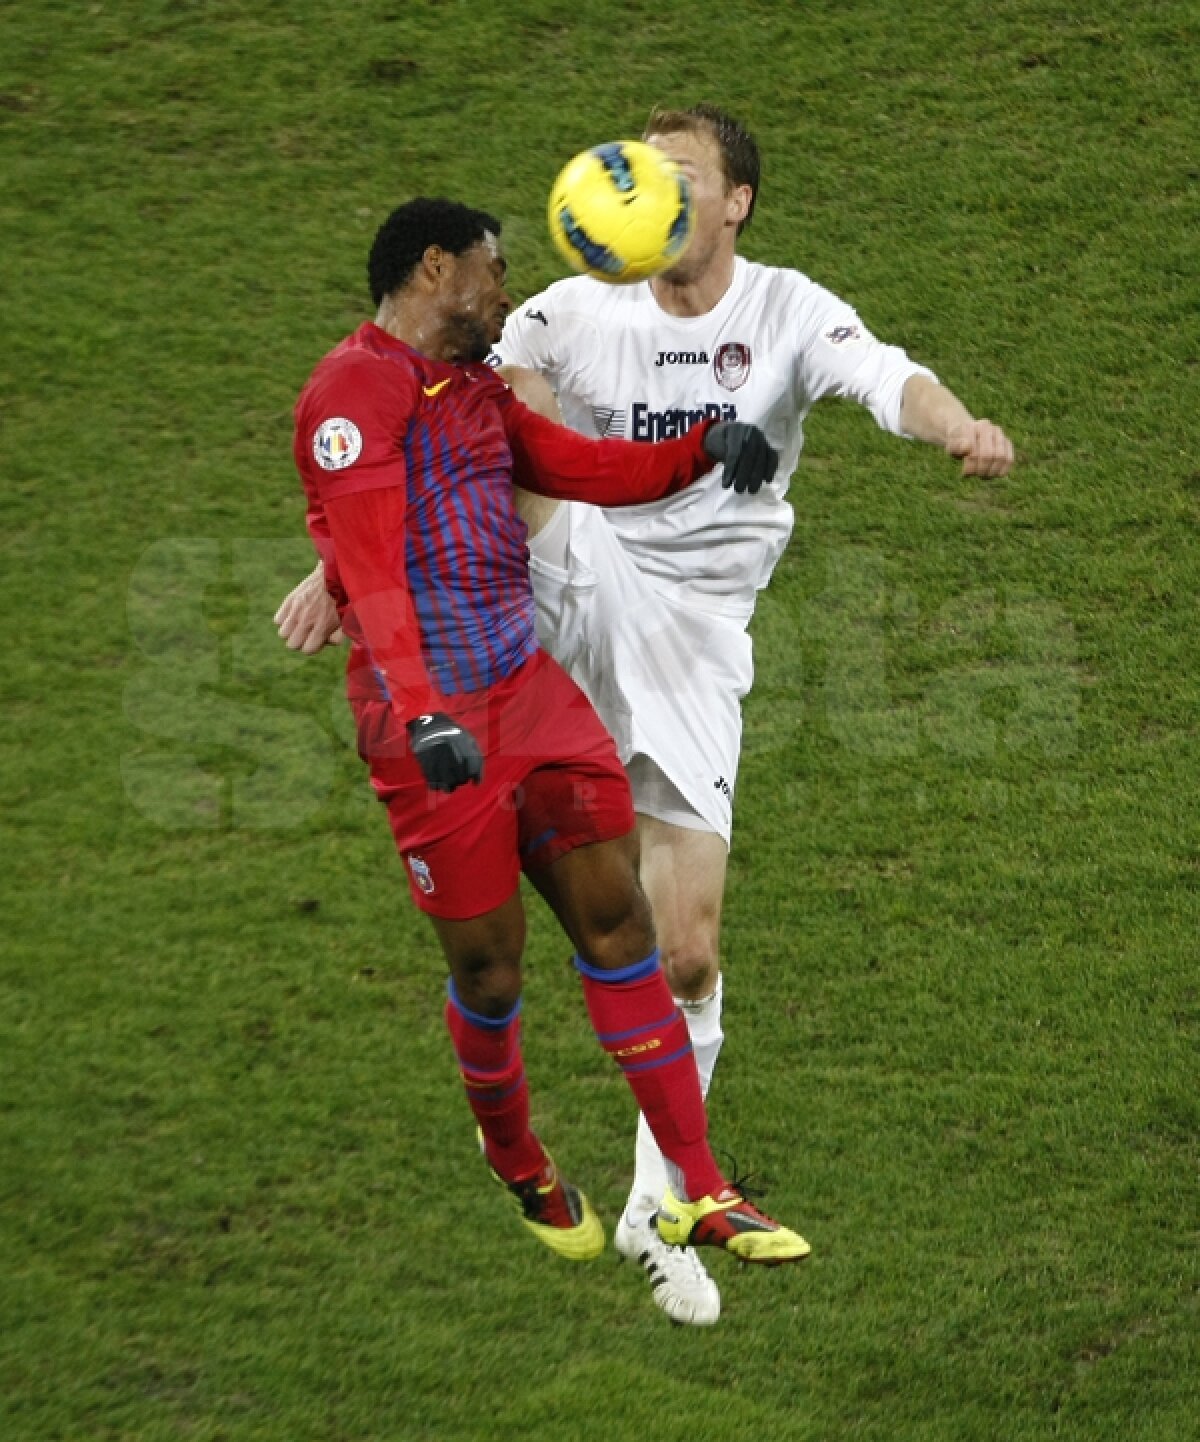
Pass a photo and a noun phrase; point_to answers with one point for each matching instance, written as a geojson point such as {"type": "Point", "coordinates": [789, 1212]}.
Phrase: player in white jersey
{"type": "Point", "coordinates": [647, 608]}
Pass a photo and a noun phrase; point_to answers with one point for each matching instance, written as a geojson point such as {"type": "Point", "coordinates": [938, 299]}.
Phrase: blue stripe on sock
{"type": "Point", "coordinates": [486, 1023]}
{"type": "Point", "coordinates": [637, 1030]}
{"type": "Point", "coordinates": [657, 1062]}
{"type": "Point", "coordinates": [639, 971]}
{"type": "Point", "coordinates": [483, 1074]}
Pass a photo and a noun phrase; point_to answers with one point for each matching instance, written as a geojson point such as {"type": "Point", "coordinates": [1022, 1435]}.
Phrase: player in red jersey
{"type": "Point", "coordinates": [408, 447]}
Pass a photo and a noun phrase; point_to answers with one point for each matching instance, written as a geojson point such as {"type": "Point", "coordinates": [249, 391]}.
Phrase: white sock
{"type": "Point", "coordinates": [652, 1173]}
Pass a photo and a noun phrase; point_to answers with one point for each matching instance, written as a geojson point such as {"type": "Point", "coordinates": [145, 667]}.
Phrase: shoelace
{"type": "Point", "coordinates": [751, 1188]}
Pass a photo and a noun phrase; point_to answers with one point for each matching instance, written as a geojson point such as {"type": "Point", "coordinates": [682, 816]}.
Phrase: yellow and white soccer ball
{"type": "Point", "coordinates": [621, 212]}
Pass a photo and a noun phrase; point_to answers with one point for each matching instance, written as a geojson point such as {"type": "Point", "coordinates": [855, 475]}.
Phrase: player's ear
{"type": "Point", "coordinates": [435, 263]}
{"type": "Point", "coordinates": [737, 203]}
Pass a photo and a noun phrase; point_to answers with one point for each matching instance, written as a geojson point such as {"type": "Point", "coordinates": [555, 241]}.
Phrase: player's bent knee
{"type": "Point", "coordinates": [489, 986]}
{"type": "Point", "coordinates": [484, 957]}
{"type": "Point", "coordinates": [613, 943]}
{"type": "Point", "coordinates": [692, 969]}
{"type": "Point", "coordinates": [596, 895]}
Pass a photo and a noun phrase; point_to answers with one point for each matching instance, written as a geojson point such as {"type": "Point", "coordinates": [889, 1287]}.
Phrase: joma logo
{"type": "Point", "coordinates": [682, 358]}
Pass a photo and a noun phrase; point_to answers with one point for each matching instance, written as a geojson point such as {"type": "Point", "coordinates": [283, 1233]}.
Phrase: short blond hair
{"type": "Point", "coordinates": [738, 149]}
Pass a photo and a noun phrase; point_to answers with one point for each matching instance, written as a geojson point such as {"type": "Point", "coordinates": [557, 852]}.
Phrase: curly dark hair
{"type": "Point", "coordinates": [407, 233]}
{"type": "Point", "coordinates": [740, 159]}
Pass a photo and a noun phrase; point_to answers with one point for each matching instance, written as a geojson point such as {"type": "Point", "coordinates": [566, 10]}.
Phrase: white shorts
{"type": "Point", "coordinates": [666, 677]}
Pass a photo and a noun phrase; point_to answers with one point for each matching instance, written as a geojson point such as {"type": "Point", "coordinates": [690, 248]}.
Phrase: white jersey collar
{"type": "Point", "coordinates": [697, 322]}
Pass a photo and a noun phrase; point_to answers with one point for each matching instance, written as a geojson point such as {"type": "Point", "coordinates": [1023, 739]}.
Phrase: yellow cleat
{"type": "Point", "coordinates": [731, 1222]}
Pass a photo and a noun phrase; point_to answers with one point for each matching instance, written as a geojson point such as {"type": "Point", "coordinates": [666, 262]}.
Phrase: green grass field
{"type": "Point", "coordinates": [239, 1194]}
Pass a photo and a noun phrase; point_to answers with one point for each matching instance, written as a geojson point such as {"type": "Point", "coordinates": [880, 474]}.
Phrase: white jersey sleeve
{"type": "Point", "coordinates": [838, 356]}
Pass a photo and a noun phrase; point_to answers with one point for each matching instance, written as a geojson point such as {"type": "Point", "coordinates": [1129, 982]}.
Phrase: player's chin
{"type": "Point", "coordinates": [481, 339]}
{"type": "Point", "coordinates": [479, 346]}
{"type": "Point", "coordinates": [681, 273]}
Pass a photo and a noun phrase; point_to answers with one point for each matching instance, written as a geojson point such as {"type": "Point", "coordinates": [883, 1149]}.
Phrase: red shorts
{"type": "Point", "coordinates": [552, 781]}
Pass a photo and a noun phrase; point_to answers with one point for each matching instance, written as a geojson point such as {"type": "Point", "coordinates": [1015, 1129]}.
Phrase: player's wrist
{"type": "Point", "coordinates": [424, 721]}
{"type": "Point", "coordinates": [700, 433]}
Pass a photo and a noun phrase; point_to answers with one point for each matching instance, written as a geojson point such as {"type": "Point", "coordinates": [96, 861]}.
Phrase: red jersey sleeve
{"type": "Point", "coordinates": [317, 523]}
{"type": "Point", "coordinates": [368, 533]}
{"type": "Point", "coordinates": [351, 422]}
{"type": "Point", "coordinates": [555, 461]}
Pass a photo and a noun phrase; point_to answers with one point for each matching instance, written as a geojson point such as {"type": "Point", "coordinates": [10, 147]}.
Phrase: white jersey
{"type": "Point", "coordinates": [774, 344]}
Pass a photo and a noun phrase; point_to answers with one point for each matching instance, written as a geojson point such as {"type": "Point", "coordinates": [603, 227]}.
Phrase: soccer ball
{"type": "Point", "coordinates": [621, 212]}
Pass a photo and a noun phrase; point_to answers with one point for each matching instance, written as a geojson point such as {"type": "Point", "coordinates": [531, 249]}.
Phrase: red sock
{"type": "Point", "coordinates": [493, 1072]}
{"type": "Point", "coordinates": [642, 1029]}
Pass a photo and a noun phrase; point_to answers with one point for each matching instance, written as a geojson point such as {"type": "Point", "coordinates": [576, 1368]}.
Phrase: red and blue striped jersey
{"type": "Point", "coordinates": [408, 465]}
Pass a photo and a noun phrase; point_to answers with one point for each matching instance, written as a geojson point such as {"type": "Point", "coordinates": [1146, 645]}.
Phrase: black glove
{"type": "Point", "coordinates": [749, 459]}
{"type": "Point", "coordinates": [447, 755]}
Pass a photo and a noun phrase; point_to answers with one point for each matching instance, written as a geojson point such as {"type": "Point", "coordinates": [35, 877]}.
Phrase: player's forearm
{"type": "Point", "coordinates": [367, 533]}
{"type": "Point", "coordinates": [553, 461]}
{"type": "Point", "coordinates": [317, 524]}
{"type": "Point", "coordinates": [932, 413]}
{"type": "Point", "coordinates": [929, 412]}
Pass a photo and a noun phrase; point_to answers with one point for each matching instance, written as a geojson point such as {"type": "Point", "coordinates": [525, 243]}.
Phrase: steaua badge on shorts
{"type": "Point", "coordinates": [421, 875]}
{"type": "Point", "coordinates": [337, 444]}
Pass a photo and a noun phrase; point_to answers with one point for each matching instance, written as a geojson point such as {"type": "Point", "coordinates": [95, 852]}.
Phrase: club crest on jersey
{"type": "Point", "coordinates": [843, 335]}
{"type": "Point", "coordinates": [421, 875]}
{"type": "Point", "coordinates": [731, 365]}
{"type": "Point", "coordinates": [337, 444]}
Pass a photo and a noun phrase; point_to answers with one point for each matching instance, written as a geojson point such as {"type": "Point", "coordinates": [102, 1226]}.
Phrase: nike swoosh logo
{"type": "Point", "coordinates": [431, 391]}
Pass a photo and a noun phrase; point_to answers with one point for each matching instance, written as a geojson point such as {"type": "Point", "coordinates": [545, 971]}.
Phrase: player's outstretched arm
{"type": "Point", "coordinates": [307, 618]}
{"type": "Point", "coordinates": [554, 461]}
{"type": "Point", "coordinates": [934, 414]}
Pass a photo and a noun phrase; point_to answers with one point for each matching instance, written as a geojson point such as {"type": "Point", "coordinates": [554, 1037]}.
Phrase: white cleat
{"type": "Point", "coordinates": [681, 1286]}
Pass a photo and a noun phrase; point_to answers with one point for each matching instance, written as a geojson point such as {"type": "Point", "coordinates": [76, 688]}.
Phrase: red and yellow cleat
{"type": "Point", "coordinates": [731, 1222]}
{"type": "Point", "coordinates": [558, 1214]}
